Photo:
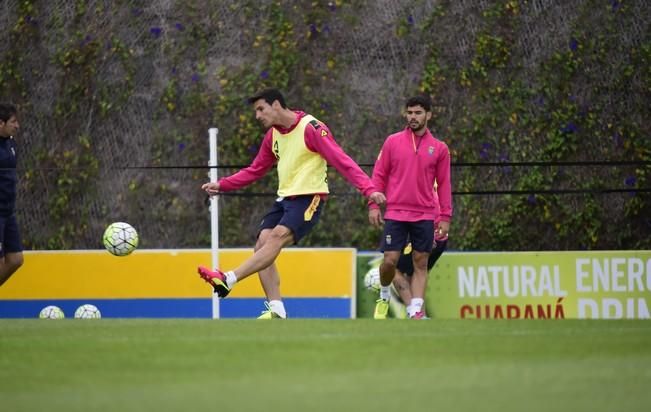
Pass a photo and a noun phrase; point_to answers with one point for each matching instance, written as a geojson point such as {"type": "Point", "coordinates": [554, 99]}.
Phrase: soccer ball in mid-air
{"type": "Point", "coordinates": [120, 238]}
{"type": "Point", "coordinates": [87, 311]}
{"type": "Point", "coordinates": [51, 312]}
{"type": "Point", "coordinates": [372, 279]}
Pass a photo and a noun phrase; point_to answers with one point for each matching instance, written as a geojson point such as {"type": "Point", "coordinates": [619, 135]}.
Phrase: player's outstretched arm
{"type": "Point", "coordinates": [323, 142]}
{"type": "Point", "coordinates": [262, 163]}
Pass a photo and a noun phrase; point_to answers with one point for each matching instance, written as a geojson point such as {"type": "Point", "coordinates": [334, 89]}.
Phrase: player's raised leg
{"type": "Point", "coordinates": [222, 282]}
{"type": "Point", "coordinates": [279, 237]}
{"type": "Point", "coordinates": [287, 222]}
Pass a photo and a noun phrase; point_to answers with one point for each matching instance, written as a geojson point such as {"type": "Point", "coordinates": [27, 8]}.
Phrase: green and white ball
{"type": "Point", "coordinates": [120, 239]}
{"type": "Point", "coordinates": [87, 311]}
{"type": "Point", "coordinates": [372, 279]}
{"type": "Point", "coordinates": [51, 312]}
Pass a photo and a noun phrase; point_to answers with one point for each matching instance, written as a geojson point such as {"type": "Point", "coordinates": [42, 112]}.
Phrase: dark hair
{"type": "Point", "coordinates": [6, 111]}
{"type": "Point", "coordinates": [421, 100]}
{"type": "Point", "coordinates": [269, 96]}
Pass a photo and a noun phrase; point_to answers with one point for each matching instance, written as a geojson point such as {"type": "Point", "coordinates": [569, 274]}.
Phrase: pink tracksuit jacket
{"type": "Point", "coordinates": [406, 170]}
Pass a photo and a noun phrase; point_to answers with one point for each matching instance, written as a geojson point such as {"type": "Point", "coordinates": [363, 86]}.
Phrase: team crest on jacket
{"type": "Point", "coordinates": [430, 150]}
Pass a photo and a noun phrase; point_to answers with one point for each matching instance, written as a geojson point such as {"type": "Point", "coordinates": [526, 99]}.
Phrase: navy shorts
{"type": "Point", "coordinates": [396, 234]}
{"type": "Point", "coordinates": [406, 263]}
{"type": "Point", "coordinates": [299, 213]}
{"type": "Point", "coordinates": [10, 241]}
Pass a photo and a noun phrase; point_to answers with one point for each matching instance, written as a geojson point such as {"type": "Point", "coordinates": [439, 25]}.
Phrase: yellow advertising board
{"type": "Point", "coordinates": [541, 285]}
{"type": "Point", "coordinates": [316, 283]}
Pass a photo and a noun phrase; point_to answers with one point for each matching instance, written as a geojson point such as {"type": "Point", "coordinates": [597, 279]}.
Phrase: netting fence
{"type": "Point", "coordinates": [116, 99]}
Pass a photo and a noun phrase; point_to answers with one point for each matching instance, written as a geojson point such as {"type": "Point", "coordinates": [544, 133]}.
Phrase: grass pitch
{"type": "Point", "coordinates": [324, 365]}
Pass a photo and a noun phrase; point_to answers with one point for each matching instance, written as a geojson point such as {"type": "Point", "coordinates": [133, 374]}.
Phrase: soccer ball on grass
{"type": "Point", "coordinates": [87, 311]}
{"type": "Point", "coordinates": [51, 312]}
{"type": "Point", "coordinates": [120, 239]}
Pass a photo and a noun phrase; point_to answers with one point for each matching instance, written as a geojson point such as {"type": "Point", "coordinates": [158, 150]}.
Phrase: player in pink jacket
{"type": "Point", "coordinates": [408, 167]}
{"type": "Point", "coordinates": [301, 147]}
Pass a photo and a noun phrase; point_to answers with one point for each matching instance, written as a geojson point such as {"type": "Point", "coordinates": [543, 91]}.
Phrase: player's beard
{"type": "Point", "coordinates": [416, 126]}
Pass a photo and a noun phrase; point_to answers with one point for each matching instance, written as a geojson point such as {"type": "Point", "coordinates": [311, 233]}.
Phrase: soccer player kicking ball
{"type": "Point", "coordinates": [302, 147]}
{"type": "Point", "coordinates": [411, 163]}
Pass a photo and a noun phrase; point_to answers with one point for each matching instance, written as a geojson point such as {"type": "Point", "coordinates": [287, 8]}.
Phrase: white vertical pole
{"type": "Point", "coordinates": [214, 215]}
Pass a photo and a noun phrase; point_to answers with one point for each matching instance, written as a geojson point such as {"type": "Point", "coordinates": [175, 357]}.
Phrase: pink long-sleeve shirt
{"type": "Point", "coordinates": [406, 170]}
{"type": "Point", "coordinates": [319, 141]}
